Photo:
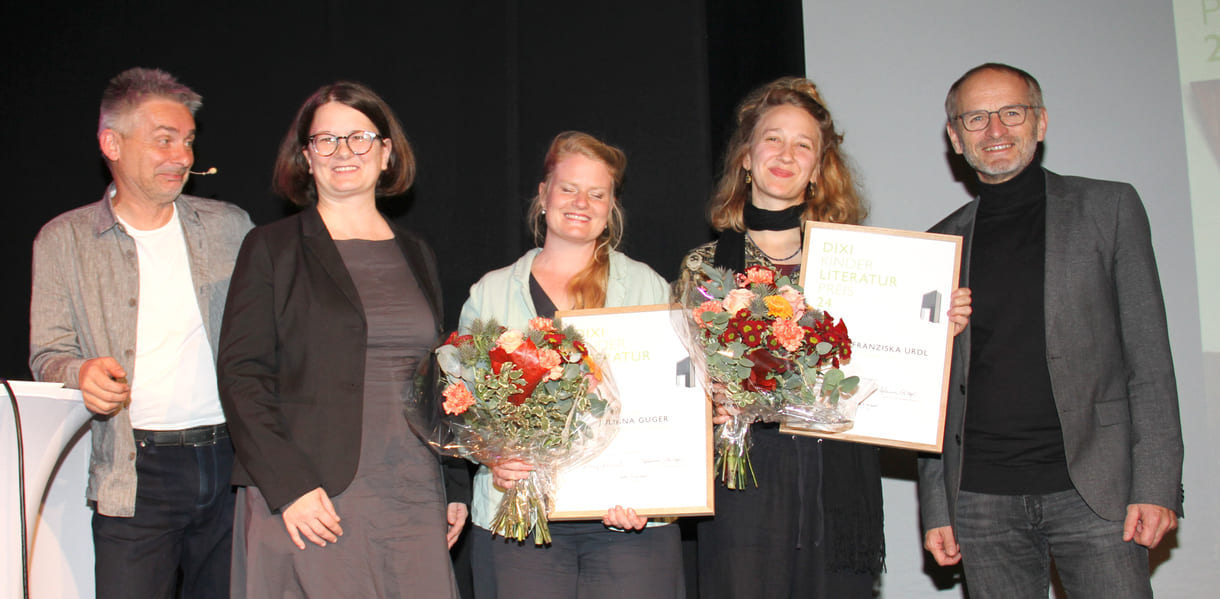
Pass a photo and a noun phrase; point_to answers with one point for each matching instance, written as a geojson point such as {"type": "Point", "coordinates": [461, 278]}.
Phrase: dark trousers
{"type": "Point", "coordinates": [183, 525]}
{"type": "Point", "coordinates": [590, 561]}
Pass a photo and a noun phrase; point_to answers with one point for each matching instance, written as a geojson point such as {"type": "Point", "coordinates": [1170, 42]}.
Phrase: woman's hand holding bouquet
{"type": "Point", "coordinates": [768, 356]}
{"type": "Point", "coordinates": [528, 404]}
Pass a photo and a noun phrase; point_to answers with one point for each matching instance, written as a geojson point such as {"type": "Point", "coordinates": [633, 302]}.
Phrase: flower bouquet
{"type": "Point", "coordinates": [774, 357]}
{"type": "Point", "coordinates": [535, 395]}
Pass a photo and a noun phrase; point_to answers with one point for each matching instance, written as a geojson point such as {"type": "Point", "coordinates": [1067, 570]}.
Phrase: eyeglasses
{"type": "Point", "coordinates": [359, 142]}
{"type": "Point", "coordinates": [1010, 116]}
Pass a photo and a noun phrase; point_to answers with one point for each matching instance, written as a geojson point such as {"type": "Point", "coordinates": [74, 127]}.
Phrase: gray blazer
{"type": "Point", "coordinates": [1107, 350]}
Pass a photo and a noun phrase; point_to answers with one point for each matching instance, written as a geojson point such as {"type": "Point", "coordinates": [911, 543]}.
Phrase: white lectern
{"type": "Point", "coordinates": [56, 465]}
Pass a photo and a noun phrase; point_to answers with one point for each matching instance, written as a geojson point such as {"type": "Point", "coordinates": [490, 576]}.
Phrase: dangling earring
{"type": "Point", "coordinates": [813, 189]}
{"type": "Point", "coordinates": [748, 179]}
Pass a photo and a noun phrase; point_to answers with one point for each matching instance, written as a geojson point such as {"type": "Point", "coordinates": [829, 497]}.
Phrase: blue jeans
{"type": "Point", "coordinates": [1008, 541]}
{"type": "Point", "coordinates": [183, 522]}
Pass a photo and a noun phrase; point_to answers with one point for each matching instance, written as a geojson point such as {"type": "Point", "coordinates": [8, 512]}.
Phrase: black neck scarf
{"type": "Point", "coordinates": [731, 246]}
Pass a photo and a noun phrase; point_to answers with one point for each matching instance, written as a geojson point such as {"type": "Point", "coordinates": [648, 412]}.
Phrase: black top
{"type": "Point", "coordinates": [1013, 441]}
{"type": "Point", "coordinates": [543, 306]}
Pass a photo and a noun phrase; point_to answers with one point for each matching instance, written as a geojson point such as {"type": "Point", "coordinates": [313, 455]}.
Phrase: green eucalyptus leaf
{"type": "Point", "coordinates": [832, 378]}
{"type": "Point", "coordinates": [597, 405]}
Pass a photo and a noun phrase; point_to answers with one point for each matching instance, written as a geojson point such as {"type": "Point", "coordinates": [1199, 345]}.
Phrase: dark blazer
{"type": "Point", "coordinates": [1107, 350]}
{"type": "Point", "coordinates": [291, 360]}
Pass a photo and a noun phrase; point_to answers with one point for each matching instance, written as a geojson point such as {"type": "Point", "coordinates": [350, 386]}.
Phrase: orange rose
{"type": "Point", "coordinates": [778, 306]}
{"type": "Point", "coordinates": [795, 298]}
{"type": "Point", "coordinates": [594, 370]}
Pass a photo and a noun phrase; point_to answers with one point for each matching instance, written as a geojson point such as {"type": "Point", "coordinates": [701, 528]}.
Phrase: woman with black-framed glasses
{"type": "Point", "coordinates": [330, 311]}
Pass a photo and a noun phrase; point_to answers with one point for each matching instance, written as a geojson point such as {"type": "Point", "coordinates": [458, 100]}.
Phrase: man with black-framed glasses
{"type": "Point", "coordinates": [1071, 448]}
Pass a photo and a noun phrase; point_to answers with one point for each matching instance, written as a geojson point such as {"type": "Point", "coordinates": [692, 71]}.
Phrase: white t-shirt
{"type": "Point", "coordinates": [174, 383]}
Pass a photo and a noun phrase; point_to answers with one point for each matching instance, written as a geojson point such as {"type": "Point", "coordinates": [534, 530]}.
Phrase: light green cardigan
{"type": "Point", "coordinates": [504, 295]}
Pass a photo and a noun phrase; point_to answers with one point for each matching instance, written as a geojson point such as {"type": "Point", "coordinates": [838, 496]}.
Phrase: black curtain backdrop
{"type": "Point", "coordinates": [481, 88]}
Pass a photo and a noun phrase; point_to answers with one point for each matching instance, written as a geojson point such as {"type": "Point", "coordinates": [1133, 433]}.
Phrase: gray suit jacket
{"type": "Point", "coordinates": [1107, 350]}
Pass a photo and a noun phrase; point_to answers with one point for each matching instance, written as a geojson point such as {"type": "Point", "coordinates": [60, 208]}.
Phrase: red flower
{"type": "Point", "coordinates": [773, 344]}
{"type": "Point", "coordinates": [732, 332]}
{"type": "Point", "coordinates": [752, 332]}
{"type": "Point", "coordinates": [457, 340]}
{"type": "Point", "coordinates": [525, 358]}
{"type": "Point", "coordinates": [834, 333]}
{"type": "Point", "coordinates": [765, 363]}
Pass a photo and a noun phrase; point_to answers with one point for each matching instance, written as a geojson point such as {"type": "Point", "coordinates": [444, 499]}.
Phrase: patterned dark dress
{"type": "Point", "coordinates": [812, 527]}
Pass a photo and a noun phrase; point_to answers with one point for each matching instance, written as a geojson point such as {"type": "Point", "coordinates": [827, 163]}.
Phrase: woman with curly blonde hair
{"type": "Point", "coordinates": [831, 195]}
{"type": "Point", "coordinates": [812, 526]}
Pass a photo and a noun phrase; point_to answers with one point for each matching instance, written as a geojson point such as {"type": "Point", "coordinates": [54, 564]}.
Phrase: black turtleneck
{"type": "Point", "coordinates": [1013, 441]}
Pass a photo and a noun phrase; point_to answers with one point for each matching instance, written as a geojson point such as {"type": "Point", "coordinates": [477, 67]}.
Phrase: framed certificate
{"type": "Point", "coordinates": [660, 462]}
{"type": "Point", "coordinates": [891, 288]}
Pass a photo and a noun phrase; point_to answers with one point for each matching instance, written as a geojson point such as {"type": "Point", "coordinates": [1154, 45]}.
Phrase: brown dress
{"type": "Point", "coordinates": [393, 513]}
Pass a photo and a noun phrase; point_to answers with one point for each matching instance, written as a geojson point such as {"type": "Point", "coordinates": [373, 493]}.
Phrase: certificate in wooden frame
{"type": "Point", "coordinates": [892, 290]}
{"type": "Point", "coordinates": [660, 462]}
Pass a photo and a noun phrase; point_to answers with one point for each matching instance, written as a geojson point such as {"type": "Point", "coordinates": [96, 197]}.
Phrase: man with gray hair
{"type": "Point", "coordinates": [1062, 437]}
{"type": "Point", "coordinates": [128, 294]}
